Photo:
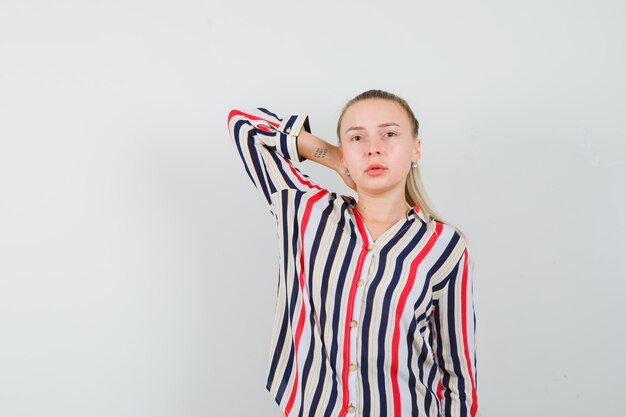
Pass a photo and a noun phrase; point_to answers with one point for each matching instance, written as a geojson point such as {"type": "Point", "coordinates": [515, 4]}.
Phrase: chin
{"type": "Point", "coordinates": [377, 185]}
{"type": "Point", "coordinates": [374, 189]}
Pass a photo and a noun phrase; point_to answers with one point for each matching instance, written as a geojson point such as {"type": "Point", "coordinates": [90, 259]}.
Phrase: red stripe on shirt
{"type": "Point", "coordinates": [300, 325]}
{"type": "Point", "coordinates": [302, 180]}
{"type": "Point", "coordinates": [395, 339]}
{"type": "Point", "coordinates": [474, 406]}
{"type": "Point", "coordinates": [249, 116]}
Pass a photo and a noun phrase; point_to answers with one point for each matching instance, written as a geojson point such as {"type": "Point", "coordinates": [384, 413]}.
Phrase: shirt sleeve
{"type": "Point", "coordinates": [267, 146]}
{"type": "Point", "coordinates": [453, 328]}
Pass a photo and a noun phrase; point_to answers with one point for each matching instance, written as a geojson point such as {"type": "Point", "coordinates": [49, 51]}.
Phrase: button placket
{"type": "Point", "coordinates": [355, 324]}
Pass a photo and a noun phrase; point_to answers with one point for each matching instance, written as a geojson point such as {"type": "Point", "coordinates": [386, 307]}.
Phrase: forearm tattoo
{"type": "Point", "coordinates": [320, 152]}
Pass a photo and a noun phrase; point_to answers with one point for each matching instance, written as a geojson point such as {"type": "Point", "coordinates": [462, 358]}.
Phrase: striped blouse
{"type": "Point", "coordinates": [362, 327]}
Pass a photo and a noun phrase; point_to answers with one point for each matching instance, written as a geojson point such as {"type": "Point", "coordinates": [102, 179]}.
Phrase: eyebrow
{"type": "Point", "coordinates": [380, 125]}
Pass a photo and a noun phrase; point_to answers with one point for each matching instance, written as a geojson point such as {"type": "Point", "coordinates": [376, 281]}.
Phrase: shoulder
{"type": "Point", "coordinates": [452, 232]}
{"type": "Point", "coordinates": [453, 255]}
{"type": "Point", "coordinates": [452, 241]}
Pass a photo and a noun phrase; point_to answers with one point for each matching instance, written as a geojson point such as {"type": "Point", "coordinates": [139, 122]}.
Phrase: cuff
{"type": "Point", "coordinates": [288, 131]}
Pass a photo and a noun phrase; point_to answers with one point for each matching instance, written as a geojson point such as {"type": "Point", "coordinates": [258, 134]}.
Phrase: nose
{"type": "Point", "coordinates": [374, 147]}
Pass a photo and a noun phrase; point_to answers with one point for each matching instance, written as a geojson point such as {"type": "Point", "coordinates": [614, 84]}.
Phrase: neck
{"type": "Point", "coordinates": [387, 208]}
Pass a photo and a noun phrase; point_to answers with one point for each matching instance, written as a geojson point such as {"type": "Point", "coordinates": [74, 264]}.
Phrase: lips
{"type": "Point", "coordinates": [375, 169]}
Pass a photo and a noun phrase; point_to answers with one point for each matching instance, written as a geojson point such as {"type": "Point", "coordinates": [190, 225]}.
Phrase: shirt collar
{"type": "Point", "coordinates": [411, 213]}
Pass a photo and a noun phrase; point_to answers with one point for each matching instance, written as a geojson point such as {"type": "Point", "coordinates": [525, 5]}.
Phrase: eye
{"type": "Point", "coordinates": [390, 133]}
{"type": "Point", "coordinates": [356, 138]}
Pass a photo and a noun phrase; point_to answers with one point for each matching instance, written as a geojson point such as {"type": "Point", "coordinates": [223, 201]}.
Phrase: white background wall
{"type": "Point", "coordinates": [138, 263]}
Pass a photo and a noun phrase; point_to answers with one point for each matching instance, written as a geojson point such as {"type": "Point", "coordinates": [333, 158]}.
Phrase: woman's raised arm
{"type": "Point", "coordinates": [316, 149]}
{"type": "Point", "coordinates": [268, 145]}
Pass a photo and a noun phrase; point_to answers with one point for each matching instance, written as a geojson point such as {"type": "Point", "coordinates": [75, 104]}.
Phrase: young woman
{"type": "Point", "coordinates": [374, 310]}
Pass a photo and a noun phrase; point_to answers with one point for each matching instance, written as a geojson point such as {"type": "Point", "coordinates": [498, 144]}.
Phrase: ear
{"type": "Point", "coordinates": [417, 150]}
{"type": "Point", "coordinates": [341, 158]}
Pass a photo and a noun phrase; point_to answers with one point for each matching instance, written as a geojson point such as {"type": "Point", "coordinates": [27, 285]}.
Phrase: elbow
{"type": "Point", "coordinates": [233, 116]}
{"type": "Point", "coordinates": [232, 113]}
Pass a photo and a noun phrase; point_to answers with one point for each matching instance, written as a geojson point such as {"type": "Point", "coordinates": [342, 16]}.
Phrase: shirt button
{"type": "Point", "coordinates": [353, 367]}
{"type": "Point", "coordinates": [370, 247]}
{"type": "Point", "coordinates": [288, 130]}
{"type": "Point", "coordinates": [360, 283]}
{"type": "Point", "coordinates": [353, 323]}
{"type": "Point", "coordinates": [351, 408]}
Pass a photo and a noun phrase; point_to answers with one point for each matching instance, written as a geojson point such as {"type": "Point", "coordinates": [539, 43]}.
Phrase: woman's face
{"type": "Point", "coordinates": [378, 145]}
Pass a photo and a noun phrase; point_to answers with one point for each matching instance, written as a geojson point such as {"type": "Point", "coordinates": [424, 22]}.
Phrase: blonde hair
{"type": "Point", "coordinates": [415, 193]}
